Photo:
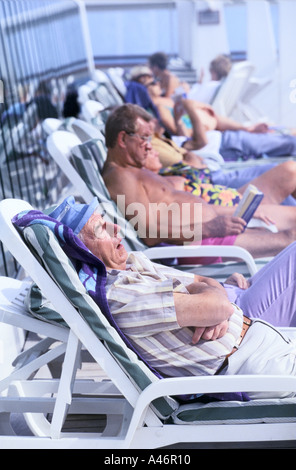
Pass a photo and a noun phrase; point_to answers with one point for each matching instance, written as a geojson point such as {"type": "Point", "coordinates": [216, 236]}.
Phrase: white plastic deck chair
{"type": "Point", "coordinates": [95, 114]}
{"type": "Point", "coordinates": [59, 145]}
{"type": "Point", "coordinates": [233, 88]}
{"type": "Point", "coordinates": [85, 90]}
{"type": "Point", "coordinates": [86, 131]}
{"type": "Point", "coordinates": [150, 417]}
{"type": "Point", "coordinates": [105, 92]}
{"type": "Point", "coordinates": [89, 183]}
{"type": "Point", "coordinates": [116, 75]}
{"type": "Point", "coordinates": [91, 109]}
{"type": "Point", "coordinates": [51, 345]}
{"type": "Point", "coordinates": [247, 109]}
{"type": "Point", "coordinates": [32, 396]}
{"type": "Point", "coordinates": [50, 125]}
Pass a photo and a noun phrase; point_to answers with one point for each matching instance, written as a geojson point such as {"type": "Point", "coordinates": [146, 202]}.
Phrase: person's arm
{"type": "Point", "coordinates": [167, 119]}
{"type": "Point", "coordinates": [223, 226]}
{"type": "Point", "coordinates": [211, 282]}
{"type": "Point", "coordinates": [171, 82]}
{"type": "Point", "coordinates": [210, 333]}
{"type": "Point", "coordinates": [237, 279]}
{"type": "Point", "coordinates": [194, 160]}
{"type": "Point", "coordinates": [205, 306]}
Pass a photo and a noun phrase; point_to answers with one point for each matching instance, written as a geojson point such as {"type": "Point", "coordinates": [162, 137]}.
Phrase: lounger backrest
{"type": "Point", "coordinates": [233, 88]}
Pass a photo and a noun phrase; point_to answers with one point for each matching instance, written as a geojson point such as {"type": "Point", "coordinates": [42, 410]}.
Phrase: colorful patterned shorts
{"type": "Point", "coordinates": [191, 173]}
{"type": "Point", "coordinates": [199, 183]}
{"type": "Point", "coordinates": [214, 193]}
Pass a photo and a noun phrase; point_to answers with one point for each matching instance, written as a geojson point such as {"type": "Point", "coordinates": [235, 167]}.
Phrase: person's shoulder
{"type": "Point", "coordinates": [118, 175]}
{"type": "Point", "coordinates": [110, 173]}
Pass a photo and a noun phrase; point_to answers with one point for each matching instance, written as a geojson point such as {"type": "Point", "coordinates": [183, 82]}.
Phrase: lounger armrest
{"type": "Point", "coordinates": [206, 385]}
{"type": "Point", "coordinates": [225, 251]}
{"type": "Point", "coordinates": [219, 384]}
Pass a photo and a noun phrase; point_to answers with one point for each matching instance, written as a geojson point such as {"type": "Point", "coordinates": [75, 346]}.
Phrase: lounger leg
{"type": "Point", "coordinates": [5, 426]}
{"type": "Point", "coordinates": [64, 396]}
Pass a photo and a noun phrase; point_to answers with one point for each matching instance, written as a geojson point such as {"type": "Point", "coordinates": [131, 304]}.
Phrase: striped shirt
{"type": "Point", "coordinates": [142, 303]}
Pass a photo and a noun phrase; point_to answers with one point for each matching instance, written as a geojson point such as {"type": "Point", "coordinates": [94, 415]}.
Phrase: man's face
{"type": "Point", "coordinates": [155, 70]}
{"type": "Point", "coordinates": [103, 240]}
{"type": "Point", "coordinates": [138, 143]}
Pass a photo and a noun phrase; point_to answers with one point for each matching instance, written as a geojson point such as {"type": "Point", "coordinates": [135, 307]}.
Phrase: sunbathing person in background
{"type": "Point", "coordinates": [136, 91]}
{"type": "Point", "coordinates": [277, 184]}
{"type": "Point", "coordinates": [185, 324]}
{"type": "Point", "coordinates": [169, 82]}
{"type": "Point", "coordinates": [197, 123]}
{"type": "Point", "coordinates": [128, 139]}
{"type": "Point", "coordinates": [207, 167]}
{"type": "Point", "coordinates": [206, 91]}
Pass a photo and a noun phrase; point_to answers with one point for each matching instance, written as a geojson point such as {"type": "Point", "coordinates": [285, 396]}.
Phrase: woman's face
{"type": "Point", "coordinates": [152, 161]}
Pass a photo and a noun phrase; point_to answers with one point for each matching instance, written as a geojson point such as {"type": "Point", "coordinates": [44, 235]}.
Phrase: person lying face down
{"type": "Point", "coordinates": [184, 324]}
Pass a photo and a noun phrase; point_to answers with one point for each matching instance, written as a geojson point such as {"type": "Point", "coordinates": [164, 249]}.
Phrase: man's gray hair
{"type": "Point", "coordinates": [123, 118]}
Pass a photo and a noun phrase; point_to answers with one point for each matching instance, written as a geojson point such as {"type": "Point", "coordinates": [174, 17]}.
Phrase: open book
{"type": "Point", "coordinates": [248, 205]}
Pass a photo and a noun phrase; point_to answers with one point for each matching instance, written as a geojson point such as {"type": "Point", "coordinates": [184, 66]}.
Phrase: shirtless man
{"type": "Point", "coordinates": [128, 139]}
{"type": "Point", "coordinates": [169, 82]}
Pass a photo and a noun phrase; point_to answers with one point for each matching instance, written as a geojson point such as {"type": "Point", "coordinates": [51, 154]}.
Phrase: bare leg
{"type": "Point", "coordinates": [270, 244]}
{"type": "Point", "coordinates": [224, 123]}
{"type": "Point", "coordinates": [284, 217]}
{"type": "Point", "coordinates": [277, 183]}
{"type": "Point", "coordinates": [199, 137]}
